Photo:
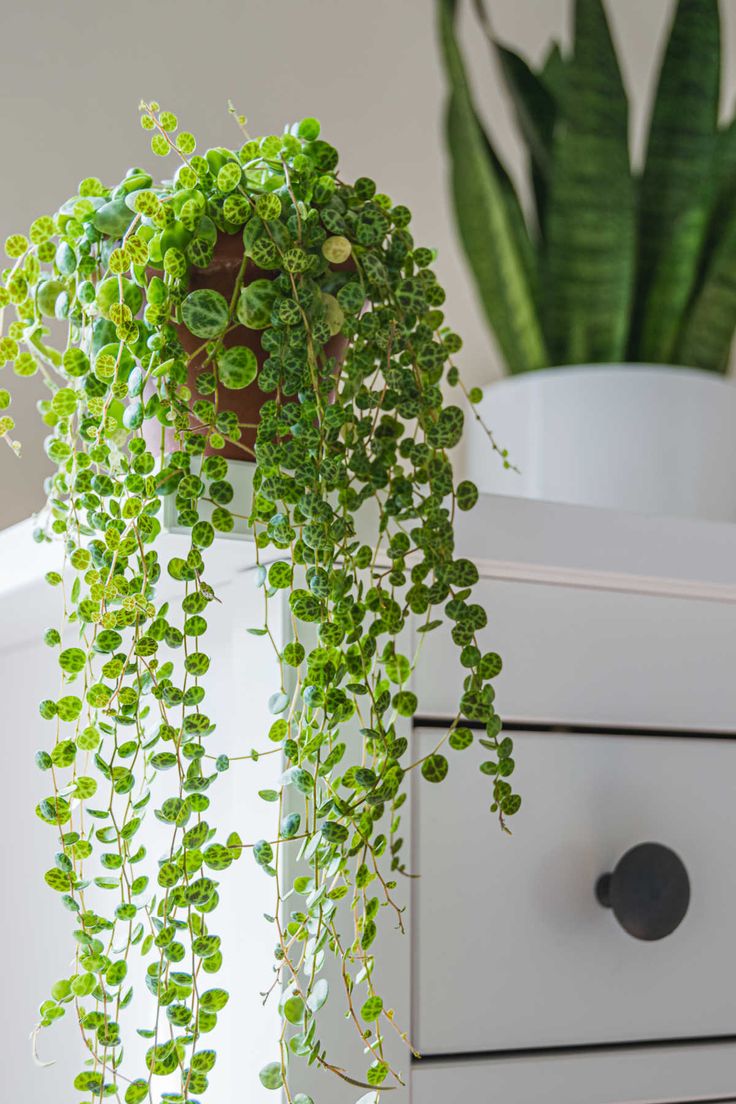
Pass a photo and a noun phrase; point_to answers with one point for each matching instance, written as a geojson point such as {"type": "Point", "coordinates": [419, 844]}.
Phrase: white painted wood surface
{"type": "Point", "coordinates": [603, 618]}
{"type": "Point", "coordinates": [595, 657]}
{"type": "Point", "coordinates": [547, 535]}
{"type": "Point", "coordinates": [667, 1075]}
{"type": "Point", "coordinates": [533, 960]}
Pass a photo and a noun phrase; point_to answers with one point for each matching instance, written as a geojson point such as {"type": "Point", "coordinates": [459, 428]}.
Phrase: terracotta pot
{"type": "Point", "coordinates": [220, 275]}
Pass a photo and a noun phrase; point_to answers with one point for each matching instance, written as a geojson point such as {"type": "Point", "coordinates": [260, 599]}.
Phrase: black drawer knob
{"type": "Point", "coordinates": [648, 891]}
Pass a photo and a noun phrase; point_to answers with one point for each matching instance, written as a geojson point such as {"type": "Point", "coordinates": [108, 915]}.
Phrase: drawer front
{"type": "Point", "coordinates": [662, 1075]}
{"type": "Point", "coordinates": [596, 658]}
{"type": "Point", "coordinates": [511, 948]}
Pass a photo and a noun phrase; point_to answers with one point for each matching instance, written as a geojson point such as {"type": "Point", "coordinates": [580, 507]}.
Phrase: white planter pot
{"type": "Point", "coordinates": [646, 438]}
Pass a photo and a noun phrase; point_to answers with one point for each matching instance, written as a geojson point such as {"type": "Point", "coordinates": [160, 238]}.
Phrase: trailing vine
{"type": "Point", "coordinates": [338, 431]}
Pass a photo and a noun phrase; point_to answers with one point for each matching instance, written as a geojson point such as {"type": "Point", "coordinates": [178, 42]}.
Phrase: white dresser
{"type": "Point", "coordinates": [618, 634]}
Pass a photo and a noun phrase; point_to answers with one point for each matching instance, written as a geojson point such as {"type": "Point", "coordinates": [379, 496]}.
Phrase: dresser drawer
{"type": "Point", "coordinates": [511, 948]}
{"type": "Point", "coordinates": [595, 657]}
{"type": "Point", "coordinates": [659, 1075]}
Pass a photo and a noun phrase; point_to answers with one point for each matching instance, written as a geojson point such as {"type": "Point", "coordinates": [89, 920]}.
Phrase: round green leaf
{"type": "Point", "coordinates": [271, 1076]}
{"type": "Point", "coordinates": [256, 302]}
{"type": "Point", "coordinates": [460, 739]}
{"type": "Point", "coordinates": [205, 313]}
{"type": "Point", "coordinates": [136, 1092]}
{"type": "Point", "coordinates": [467, 495]}
{"type": "Point", "coordinates": [372, 1008]}
{"type": "Point", "coordinates": [72, 660]}
{"type": "Point", "coordinates": [214, 1000]}
{"type": "Point", "coordinates": [334, 832]}
{"type": "Point", "coordinates": [237, 367]}
{"type": "Point", "coordinates": [294, 1010]}
{"type": "Point", "coordinates": [319, 994]}
{"type": "Point", "coordinates": [434, 768]}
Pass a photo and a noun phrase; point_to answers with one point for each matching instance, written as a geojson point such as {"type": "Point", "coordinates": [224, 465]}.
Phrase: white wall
{"type": "Point", "coordinates": [73, 72]}
{"type": "Point", "coordinates": [34, 923]}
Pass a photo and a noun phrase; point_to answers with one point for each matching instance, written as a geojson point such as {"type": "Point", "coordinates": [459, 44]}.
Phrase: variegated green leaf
{"type": "Point", "coordinates": [676, 187]}
{"type": "Point", "coordinates": [534, 107]}
{"type": "Point", "coordinates": [486, 220]}
{"type": "Point", "coordinates": [708, 332]}
{"type": "Point", "coordinates": [589, 254]}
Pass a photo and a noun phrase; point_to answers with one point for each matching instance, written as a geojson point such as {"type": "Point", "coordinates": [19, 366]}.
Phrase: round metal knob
{"type": "Point", "coordinates": [648, 891]}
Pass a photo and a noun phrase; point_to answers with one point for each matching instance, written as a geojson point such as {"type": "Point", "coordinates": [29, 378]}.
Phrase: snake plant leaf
{"type": "Point", "coordinates": [673, 275]}
{"type": "Point", "coordinates": [552, 76]}
{"type": "Point", "coordinates": [504, 268]}
{"type": "Point", "coordinates": [724, 184]}
{"type": "Point", "coordinates": [515, 213]}
{"type": "Point", "coordinates": [725, 156]}
{"type": "Point", "coordinates": [533, 103]}
{"type": "Point", "coordinates": [552, 73]}
{"type": "Point", "coordinates": [706, 335]}
{"type": "Point", "coordinates": [517, 221]}
{"type": "Point", "coordinates": [708, 332]}
{"type": "Point", "coordinates": [483, 212]}
{"type": "Point", "coordinates": [534, 108]}
{"type": "Point", "coordinates": [676, 182]}
{"type": "Point", "coordinates": [589, 255]}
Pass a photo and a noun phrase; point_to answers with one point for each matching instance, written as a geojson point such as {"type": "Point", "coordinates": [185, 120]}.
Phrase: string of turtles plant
{"type": "Point", "coordinates": [132, 735]}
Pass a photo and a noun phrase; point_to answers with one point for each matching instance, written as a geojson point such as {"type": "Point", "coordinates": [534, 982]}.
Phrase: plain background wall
{"type": "Point", "coordinates": [73, 73]}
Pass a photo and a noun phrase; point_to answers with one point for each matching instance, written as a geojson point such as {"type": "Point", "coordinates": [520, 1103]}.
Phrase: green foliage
{"type": "Point", "coordinates": [205, 313]}
{"type": "Point", "coordinates": [237, 367]}
{"type": "Point", "coordinates": [609, 267]}
{"type": "Point", "coordinates": [130, 733]}
{"type": "Point", "coordinates": [486, 207]}
{"type": "Point", "coordinates": [588, 265]}
{"type": "Point", "coordinates": [676, 194]}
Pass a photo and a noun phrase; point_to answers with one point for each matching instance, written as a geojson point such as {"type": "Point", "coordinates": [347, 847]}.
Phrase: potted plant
{"type": "Point", "coordinates": [254, 305]}
{"type": "Point", "coordinates": [613, 300]}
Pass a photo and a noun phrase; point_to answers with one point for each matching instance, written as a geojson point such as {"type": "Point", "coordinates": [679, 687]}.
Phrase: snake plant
{"type": "Point", "coordinates": [610, 264]}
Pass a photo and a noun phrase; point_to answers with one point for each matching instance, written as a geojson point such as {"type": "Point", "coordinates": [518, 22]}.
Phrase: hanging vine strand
{"type": "Point", "coordinates": [132, 738]}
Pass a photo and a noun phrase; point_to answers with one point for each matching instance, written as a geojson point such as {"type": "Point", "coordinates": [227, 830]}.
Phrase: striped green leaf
{"type": "Point", "coordinates": [516, 219]}
{"type": "Point", "coordinates": [589, 252]}
{"type": "Point", "coordinates": [534, 107]}
{"type": "Point", "coordinates": [672, 286]}
{"type": "Point", "coordinates": [723, 193]}
{"type": "Point", "coordinates": [552, 73]}
{"type": "Point", "coordinates": [706, 335]}
{"type": "Point", "coordinates": [676, 187]}
{"type": "Point", "coordinates": [488, 220]}
{"type": "Point", "coordinates": [705, 341]}
{"type": "Point", "coordinates": [725, 159]}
